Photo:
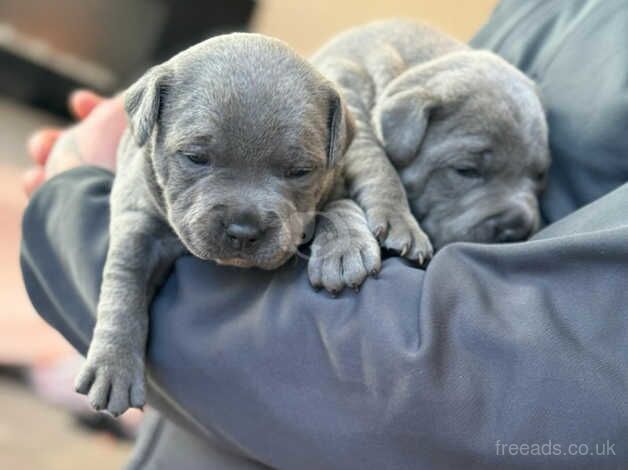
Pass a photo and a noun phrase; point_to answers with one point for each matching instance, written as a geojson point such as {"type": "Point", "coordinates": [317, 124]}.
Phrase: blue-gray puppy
{"type": "Point", "coordinates": [464, 130]}
{"type": "Point", "coordinates": [233, 147]}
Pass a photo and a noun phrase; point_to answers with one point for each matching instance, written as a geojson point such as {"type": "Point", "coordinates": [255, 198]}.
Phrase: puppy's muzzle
{"type": "Point", "coordinates": [513, 225]}
{"type": "Point", "coordinates": [243, 230]}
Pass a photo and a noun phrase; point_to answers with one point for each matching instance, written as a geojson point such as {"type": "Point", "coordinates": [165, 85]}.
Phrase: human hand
{"type": "Point", "coordinates": [93, 141]}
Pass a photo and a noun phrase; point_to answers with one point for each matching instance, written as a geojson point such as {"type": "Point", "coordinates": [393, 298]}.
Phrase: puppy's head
{"type": "Point", "coordinates": [243, 138]}
{"type": "Point", "coordinates": [468, 135]}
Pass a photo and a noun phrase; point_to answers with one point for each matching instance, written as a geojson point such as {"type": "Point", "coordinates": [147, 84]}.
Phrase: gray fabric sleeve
{"type": "Point", "coordinates": [492, 346]}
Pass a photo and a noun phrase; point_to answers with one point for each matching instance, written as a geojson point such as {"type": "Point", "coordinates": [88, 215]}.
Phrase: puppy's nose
{"type": "Point", "coordinates": [243, 231]}
{"type": "Point", "coordinates": [513, 226]}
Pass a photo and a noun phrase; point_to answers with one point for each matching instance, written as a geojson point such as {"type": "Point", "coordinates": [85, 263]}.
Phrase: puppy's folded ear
{"type": "Point", "coordinates": [143, 102]}
{"type": "Point", "coordinates": [400, 122]}
{"type": "Point", "coordinates": [341, 128]}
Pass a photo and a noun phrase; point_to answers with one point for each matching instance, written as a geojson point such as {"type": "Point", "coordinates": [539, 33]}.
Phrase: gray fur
{"type": "Point", "coordinates": [418, 97]}
{"type": "Point", "coordinates": [259, 112]}
{"type": "Point", "coordinates": [464, 130]}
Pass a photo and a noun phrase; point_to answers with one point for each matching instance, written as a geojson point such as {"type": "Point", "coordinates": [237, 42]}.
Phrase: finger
{"type": "Point", "coordinates": [32, 179]}
{"type": "Point", "coordinates": [83, 102]}
{"type": "Point", "coordinates": [40, 143]}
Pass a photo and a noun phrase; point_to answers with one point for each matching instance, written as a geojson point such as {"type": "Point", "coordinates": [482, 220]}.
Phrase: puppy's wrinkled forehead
{"type": "Point", "coordinates": [493, 99]}
{"type": "Point", "coordinates": [242, 91]}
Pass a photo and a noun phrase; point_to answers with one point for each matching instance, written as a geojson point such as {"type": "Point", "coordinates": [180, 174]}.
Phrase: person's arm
{"type": "Point", "coordinates": [493, 345]}
{"type": "Point", "coordinates": [62, 269]}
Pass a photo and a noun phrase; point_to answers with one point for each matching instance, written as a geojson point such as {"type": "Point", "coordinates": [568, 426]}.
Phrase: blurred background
{"type": "Point", "coordinates": [47, 49]}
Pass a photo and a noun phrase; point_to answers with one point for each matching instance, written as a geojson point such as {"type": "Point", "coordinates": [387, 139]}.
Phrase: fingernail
{"type": "Point", "coordinates": [40, 143]}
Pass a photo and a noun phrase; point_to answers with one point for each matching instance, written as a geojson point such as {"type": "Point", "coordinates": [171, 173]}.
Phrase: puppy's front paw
{"type": "Point", "coordinates": [343, 260]}
{"type": "Point", "coordinates": [113, 379]}
{"type": "Point", "coordinates": [397, 230]}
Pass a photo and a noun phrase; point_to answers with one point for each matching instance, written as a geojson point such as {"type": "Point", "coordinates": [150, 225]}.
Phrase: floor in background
{"type": "Point", "coordinates": [33, 434]}
{"type": "Point", "coordinates": [307, 25]}
{"type": "Point", "coordinates": [24, 337]}
{"type": "Point", "coordinates": [36, 436]}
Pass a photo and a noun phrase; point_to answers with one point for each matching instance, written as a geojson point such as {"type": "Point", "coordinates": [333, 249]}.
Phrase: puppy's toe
{"type": "Point", "coordinates": [378, 224]}
{"type": "Point", "coordinates": [137, 394]}
{"type": "Point", "coordinates": [422, 250]}
{"type": "Point", "coordinates": [119, 397]}
{"type": "Point", "coordinates": [353, 270]}
{"type": "Point", "coordinates": [332, 275]}
{"type": "Point", "coordinates": [315, 271]}
{"type": "Point", "coordinates": [371, 258]}
{"type": "Point", "coordinates": [99, 392]}
{"type": "Point", "coordinates": [400, 238]}
{"type": "Point", "coordinates": [406, 238]}
{"type": "Point", "coordinates": [85, 379]}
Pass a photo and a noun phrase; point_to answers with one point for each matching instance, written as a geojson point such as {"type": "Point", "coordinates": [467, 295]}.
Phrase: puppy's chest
{"type": "Point", "coordinates": [165, 250]}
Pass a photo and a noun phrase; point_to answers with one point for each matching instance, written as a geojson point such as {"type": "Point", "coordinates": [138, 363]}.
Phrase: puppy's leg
{"type": "Point", "coordinates": [375, 185]}
{"type": "Point", "coordinates": [372, 180]}
{"type": "Point", "coordinates": [344, 252]}
{"type": "Point", "coordinates": [113, 374]}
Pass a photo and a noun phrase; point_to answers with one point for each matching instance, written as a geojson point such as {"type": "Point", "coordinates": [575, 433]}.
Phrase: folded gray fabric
{"type": "Point", "coordinates": [576, 51]}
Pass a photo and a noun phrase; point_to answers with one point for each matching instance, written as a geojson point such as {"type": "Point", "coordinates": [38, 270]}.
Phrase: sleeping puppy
{"type": "Point", "coordinates": [464, 130]}
{"type": "Point", "coordinates": [232, 147]}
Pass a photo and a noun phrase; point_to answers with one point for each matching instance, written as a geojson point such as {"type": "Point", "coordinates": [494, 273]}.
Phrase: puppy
{"type": "Point", "coordinates": [464, 130]}
{"type": "Point", "coordinates": [232, 147]}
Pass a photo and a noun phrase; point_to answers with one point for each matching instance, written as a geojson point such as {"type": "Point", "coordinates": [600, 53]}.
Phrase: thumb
{"type": "Point", "coordinates": [83, 102]}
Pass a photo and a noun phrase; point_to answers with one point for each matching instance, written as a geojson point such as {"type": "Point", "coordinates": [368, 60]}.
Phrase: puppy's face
{"type": "Point", "coordinates": [243, 148]}
{"type": "Point", "coordinates": [469, 138]}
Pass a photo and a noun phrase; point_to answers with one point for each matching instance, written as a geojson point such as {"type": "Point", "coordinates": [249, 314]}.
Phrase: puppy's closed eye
{"type": "Point", "coordinates": [298, 172]}
{"type": "Point", "coordinates": [196, 158]}
{"type": "Point", "coordinates": [539, 176]}
{"type": "Point", "coordinates": [473, 167]}
{"type": "Point", "coordinates": [468, 171]}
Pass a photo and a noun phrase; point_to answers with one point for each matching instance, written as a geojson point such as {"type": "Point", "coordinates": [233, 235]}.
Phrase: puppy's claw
{"type": "Point", "coordinates": [404, 235]}
{"type": "Point", "coordinates": [381, 232]}
{"type": "Point", "coordinates": [404, 250]}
